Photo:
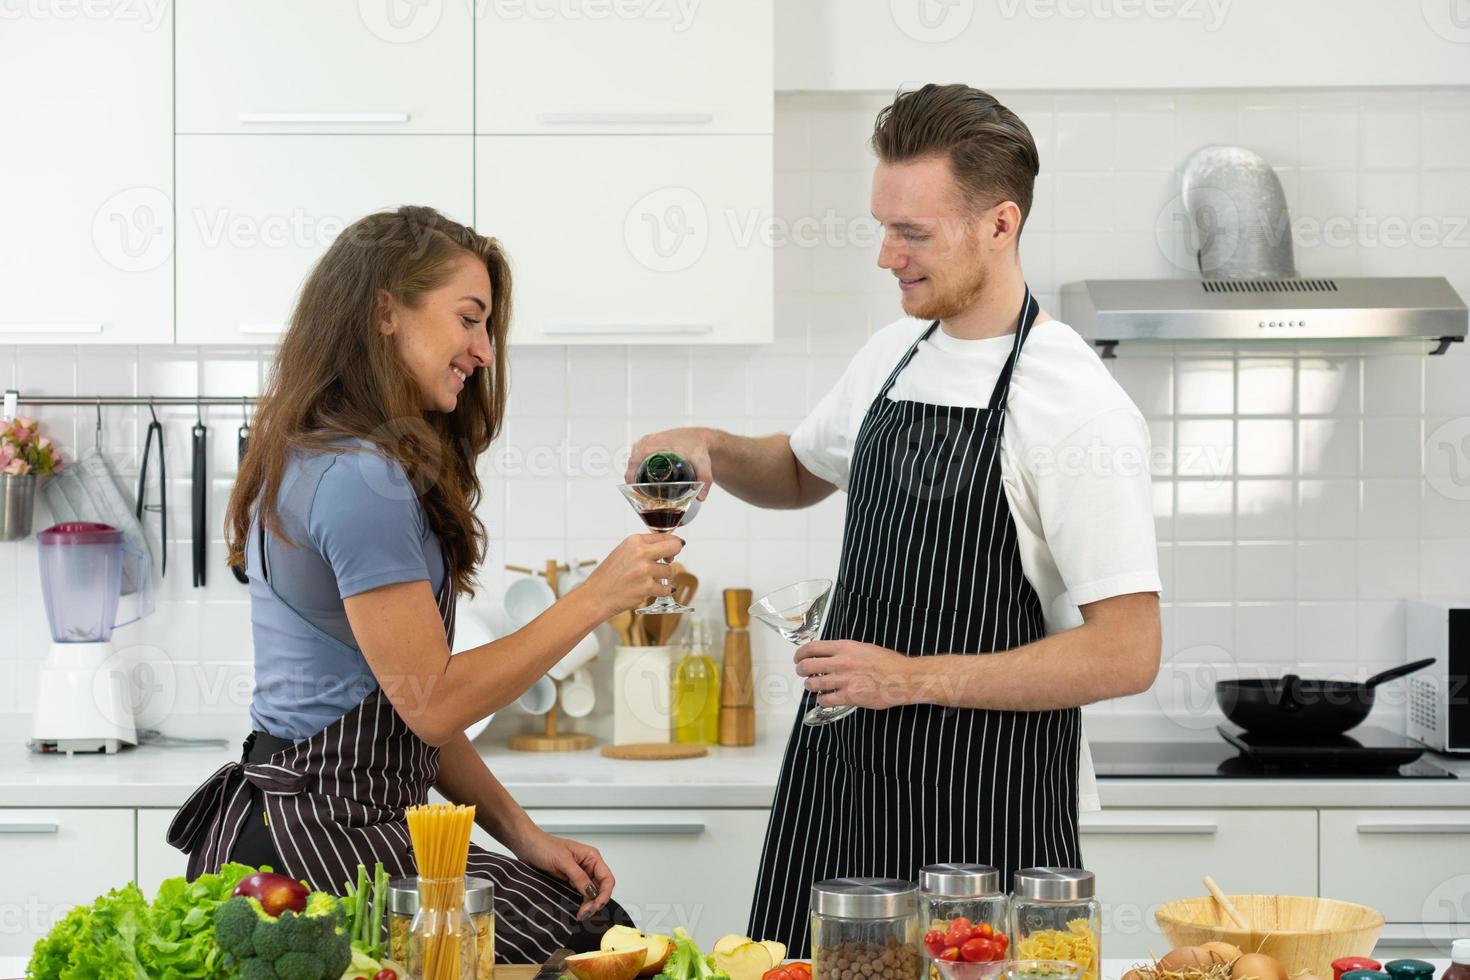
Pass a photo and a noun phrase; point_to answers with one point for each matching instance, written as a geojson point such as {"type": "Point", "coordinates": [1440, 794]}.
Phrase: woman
{"type": "Point", "coordinates": [354, 515]}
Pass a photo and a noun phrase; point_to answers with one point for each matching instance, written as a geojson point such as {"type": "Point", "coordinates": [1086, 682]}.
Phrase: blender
{"type": "Point", "coordinates": [84, 701]}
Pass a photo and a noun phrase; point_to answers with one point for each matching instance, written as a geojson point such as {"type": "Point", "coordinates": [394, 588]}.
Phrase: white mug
{"type": "Point", "coordinates": [539, 698]}
{"type": "Point", "coordinates": [576, 657]}
{"type": "Point", "coordinates": [577, 697]}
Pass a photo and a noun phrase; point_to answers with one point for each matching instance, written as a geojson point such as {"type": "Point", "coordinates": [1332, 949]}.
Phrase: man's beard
{"type": "Point", "coordinates": [942, 304]}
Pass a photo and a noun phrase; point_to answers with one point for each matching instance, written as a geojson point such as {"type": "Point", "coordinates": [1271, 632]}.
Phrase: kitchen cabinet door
{"type": "Point", "coordinates": [86, 177]}
{"type": "Point", "coordinates": [1408, 864]}
{"type": "Point", "coordinates": [255, 212]}
{"type": "Point", "coordinates": [53, 860]}
{"type": "Point", "coordinates": [650, 66]}
{"type": "Point", "coordinates": [156, 859]}
{"type": "Point", "coordinates": [1144, 858]}
{"type": "Point", "coordinates": [282, 66]}
{"type": "Point", "coordinates": [632, 239]}
{"type": "Point", "coordinates": [690, 868]}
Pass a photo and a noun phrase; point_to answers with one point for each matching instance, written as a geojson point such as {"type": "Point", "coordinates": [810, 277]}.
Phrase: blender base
{"type": "Point", "coordinates": [83, 701]}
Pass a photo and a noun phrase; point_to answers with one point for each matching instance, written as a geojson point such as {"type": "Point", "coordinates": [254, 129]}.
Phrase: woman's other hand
{"type": "Point", "coordinates": [579, 865]}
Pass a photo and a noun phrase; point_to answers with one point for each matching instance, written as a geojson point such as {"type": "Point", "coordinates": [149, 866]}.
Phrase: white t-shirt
{"type": "Point", "coordinates": [1074, 456]}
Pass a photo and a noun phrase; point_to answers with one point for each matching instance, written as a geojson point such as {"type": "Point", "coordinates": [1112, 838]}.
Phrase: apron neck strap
{"type": "Point", "coordinates": [1029, 309]}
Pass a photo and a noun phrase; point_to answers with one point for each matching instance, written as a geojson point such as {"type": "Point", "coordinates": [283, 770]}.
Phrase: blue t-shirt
{"type": "Point", "coordinates": [356, 524]}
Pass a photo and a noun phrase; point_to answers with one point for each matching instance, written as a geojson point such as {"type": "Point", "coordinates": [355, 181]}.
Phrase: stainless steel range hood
{"type": "Point", "coordinates": [1112, 311]}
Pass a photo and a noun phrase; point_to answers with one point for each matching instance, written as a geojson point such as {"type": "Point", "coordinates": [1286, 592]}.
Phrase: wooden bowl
{"type": "Point", "coordinates": [1305, 934]}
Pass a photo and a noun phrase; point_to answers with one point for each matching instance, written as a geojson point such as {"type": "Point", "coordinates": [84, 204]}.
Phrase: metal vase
{"type": "Point", "coordinates": [17, 503]}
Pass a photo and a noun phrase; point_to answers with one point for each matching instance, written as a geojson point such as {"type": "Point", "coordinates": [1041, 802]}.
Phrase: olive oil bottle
{"type": "Point", "coordinates": [696, 693]}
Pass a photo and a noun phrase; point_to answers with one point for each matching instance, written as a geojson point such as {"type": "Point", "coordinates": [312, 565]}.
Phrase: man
{"type": "Point", "coordinates": [998, 568]}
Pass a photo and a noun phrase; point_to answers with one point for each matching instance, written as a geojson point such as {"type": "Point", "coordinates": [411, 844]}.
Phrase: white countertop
{"type": "Point", "coordinates": [728, 777]}
{"type": "Point", "coordinates": [1112, 969]}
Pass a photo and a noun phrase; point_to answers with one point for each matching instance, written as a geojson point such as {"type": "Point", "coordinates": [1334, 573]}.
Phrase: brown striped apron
{"type": "Point", "coordinates": [929, 566]}
{"type": "Point", "coordinates": [336, 800]}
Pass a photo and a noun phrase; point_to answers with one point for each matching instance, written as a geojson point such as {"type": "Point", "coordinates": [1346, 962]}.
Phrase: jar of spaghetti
{"type": "Point", "coordinates": [479, 906]}
{"type": "Point", "coordinates": [1055, 915]}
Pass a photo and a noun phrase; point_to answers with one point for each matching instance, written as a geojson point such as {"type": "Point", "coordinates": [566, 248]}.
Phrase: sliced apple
{"type": "Point", "coordinates": [659, 949]}
{"type": "Point", "coordinates": [616, 964]}
{"type": "Point", "coordinates": [727, 943]}
{"type": "Point", "coordinates": [777, 951]}
{"type": "Point", "coordinates": [748, 961]}
{"type": "Point", "coordinates": [622, 937]}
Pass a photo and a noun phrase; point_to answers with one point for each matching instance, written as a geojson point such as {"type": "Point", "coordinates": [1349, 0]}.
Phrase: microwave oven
{"type": "Point", "coordinates": [1439, 695]}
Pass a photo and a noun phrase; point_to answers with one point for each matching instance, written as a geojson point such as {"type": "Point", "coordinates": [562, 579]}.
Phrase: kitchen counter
{"type": "Point", "coordinates": [14, 966]}
{"type": "Point", "coordinates": [727, 778]}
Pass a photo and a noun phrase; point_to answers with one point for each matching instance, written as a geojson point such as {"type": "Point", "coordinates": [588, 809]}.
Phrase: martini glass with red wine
{"type": "Point", "coordinates": [663, 507]}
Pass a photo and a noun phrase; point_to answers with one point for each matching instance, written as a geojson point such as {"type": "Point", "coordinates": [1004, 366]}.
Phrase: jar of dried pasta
{"type": "Point", "coordinates": [479, 905]}
{"type": "Point", "coordinates": [1055, 915]}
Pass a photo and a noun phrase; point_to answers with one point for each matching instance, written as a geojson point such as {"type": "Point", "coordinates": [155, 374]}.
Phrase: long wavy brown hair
{"type": "Point", "coordinates": [336, 374]}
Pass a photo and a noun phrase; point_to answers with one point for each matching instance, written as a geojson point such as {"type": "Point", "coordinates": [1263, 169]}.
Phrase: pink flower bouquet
{"type": "Point", "coordinates": [23, 450]}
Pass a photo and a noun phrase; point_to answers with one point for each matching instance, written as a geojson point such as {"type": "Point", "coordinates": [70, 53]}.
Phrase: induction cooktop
{"type": "Point", "coordinates": [1365, 752]}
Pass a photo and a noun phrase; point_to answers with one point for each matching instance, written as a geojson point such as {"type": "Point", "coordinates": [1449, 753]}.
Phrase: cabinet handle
{"type": "Point", "coordinates": [597, 329]}
{"type": "Point", "coordinates": [50, 328]}
{"type": "Point", "coordinates": [263, 328]}
{"type": "Point", "coordinates": [1414, 828]}
{"type": "Point", "coordinates": [626, 118]}
{"type": "Point", "coordinates": [29, 828]}
{"type": "Point", "coordinates": [1151, 829]}
{"type": "Point", "coordinates": [665, 829]}
{"type": "Point", "coordinates": [323, 117]}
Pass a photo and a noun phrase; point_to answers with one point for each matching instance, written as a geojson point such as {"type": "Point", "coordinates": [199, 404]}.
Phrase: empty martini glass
{"type": "Point", "coordinates": [662, 507]}
{"type": "Point", "coordinates": [796, 612]}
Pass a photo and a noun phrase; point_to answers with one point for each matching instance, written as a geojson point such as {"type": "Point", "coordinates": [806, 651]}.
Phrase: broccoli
{"type": "Point", "coordinates": [310, 945]}
{"type": "Point", "coordinates": [687, 963]}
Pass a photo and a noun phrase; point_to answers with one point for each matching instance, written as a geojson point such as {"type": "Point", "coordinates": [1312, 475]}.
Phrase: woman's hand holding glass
{"type": "Point", "coordinates": [631, 572]}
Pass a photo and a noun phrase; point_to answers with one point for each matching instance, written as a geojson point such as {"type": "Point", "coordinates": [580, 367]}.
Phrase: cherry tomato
{"type": "Point", "coordinates": [386, 974]}
{"type": "Point", "coordinates": [951, 954]}
{"type": "Point", "coordinates": [977, 950]}
{"type": "Point", "coordinates": [778, 973]}
{"type": "Point", "coordinates": [958, 932]}
{"type": "Point", "coordinates": [805, 969]}
{"type": "Point", "coordinates": [934, 942]}
{"type": "Point", "coordinates": [985, 929]}
{"type": "Point", "coordinates": [1004, 941]}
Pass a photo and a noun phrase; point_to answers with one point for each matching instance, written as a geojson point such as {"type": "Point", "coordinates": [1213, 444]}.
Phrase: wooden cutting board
{"type": "Point", "coordinates": [654, 751]}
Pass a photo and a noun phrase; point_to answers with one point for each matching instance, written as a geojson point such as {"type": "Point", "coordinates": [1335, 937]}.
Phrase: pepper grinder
{"type": "Point", "coordinates": [737, 686]}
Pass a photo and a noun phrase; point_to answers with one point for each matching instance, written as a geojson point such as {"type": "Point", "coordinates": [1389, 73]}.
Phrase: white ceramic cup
{"type": "Point", "coordinates": [577, 697]}
{"type": "Point", "coordinates": [539, 698]}
{"type": "Point", "coordinates": [576, 657]}
{"type": "Point", "coordinates": [526, 598]}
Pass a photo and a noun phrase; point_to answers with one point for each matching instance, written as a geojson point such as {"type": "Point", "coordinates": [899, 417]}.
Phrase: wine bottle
{"type": "Point", "coordinates": [666, 466]}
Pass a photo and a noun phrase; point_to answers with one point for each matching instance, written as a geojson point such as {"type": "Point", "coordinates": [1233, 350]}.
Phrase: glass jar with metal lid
{"type": "Point", "coordinates": [1055, 915]}
{"type": "Point", "coordinates": [479, 906]}
{"type": "Point", "coordinates": [865, 929]}
{"type": "Point", "coordinates": [959, 903]}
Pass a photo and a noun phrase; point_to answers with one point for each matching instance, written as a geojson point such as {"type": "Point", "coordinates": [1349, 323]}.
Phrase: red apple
{"type": "Point", "coordinates": [616, 964]}
{"type": "Point", "coordinates": [275, 893]}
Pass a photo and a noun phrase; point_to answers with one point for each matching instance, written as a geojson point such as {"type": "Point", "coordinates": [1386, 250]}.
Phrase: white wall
{"type": "Point", "coordinates": [1292, 505]}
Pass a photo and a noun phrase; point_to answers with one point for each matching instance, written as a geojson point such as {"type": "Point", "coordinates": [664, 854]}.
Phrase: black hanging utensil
{"type": "Point", "coordinates": [161, 508]}
{"type": "Point", "coordinates": [200, 496]}
{"type": "Point", "coordinates": [242, 446]}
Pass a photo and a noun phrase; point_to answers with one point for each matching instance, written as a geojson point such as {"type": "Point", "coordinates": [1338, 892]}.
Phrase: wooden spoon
{"type": "Point", "coordinates": [1226, 904]}
{"type": "Point", "coordinates": [622, 624]}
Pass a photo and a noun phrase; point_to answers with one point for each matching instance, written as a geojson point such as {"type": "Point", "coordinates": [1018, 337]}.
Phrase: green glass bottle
{"type": "Point", "coordinates": [696, 693]}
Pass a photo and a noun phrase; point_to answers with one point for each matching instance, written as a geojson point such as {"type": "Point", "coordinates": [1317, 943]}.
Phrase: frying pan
{"type": "Point", "coordinates": [1292, 705]}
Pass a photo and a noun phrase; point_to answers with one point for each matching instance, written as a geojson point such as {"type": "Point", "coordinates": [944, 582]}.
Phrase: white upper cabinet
{"type": "Point", "coordinates": [86, 175]}
{"type": "Point", "coordinates": [1004, 45]}
{"type": "Point", "coordinates": [632, 239]}
{"type": "Point", "coordinates": [284, 66]}
{"type": "Point", "coordinates": [256, 212]}
{"type": "Point", "coordinates": [624, 66]}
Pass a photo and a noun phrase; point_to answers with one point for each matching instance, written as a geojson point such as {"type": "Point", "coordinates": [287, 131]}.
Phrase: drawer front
{"type": "Point", "coordinates": [690, 868]}
{"type": "Point", "coordinates": [157, 860]}
{"type": "Point", "coordinates": [53, 860]}
{"type": "Point", "coordinates": [1408, 864]}
{"type": "Point", "coordinates": [1143, 858]}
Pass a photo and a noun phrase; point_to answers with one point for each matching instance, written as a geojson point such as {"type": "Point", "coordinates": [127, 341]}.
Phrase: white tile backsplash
{"type": "Point", "coordinates": [1298, 494]}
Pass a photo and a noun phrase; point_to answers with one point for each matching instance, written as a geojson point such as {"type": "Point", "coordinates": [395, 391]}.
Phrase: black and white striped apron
{"type": "Point", "coordinates": [336, 799]}
{"type": "Point", "coordinates": [929, 565]}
